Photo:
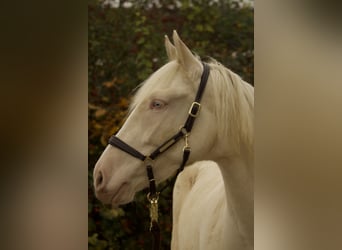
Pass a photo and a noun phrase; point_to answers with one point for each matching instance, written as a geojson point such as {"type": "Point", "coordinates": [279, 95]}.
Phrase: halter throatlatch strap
{"type": "Point", "coordinates": [196, 105]}
{"type": "Point", "coordinates": [184, 132]}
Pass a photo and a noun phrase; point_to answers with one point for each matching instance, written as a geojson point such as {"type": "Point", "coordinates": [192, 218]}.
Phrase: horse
{"type": "Point", "coordinates": [189, 204]}
{"type": "Point", "coordinates": [223, 133]}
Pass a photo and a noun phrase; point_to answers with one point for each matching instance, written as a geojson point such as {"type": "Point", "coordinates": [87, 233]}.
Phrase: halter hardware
{"type": "Point", "coordinates": [153, 208]}
{"type": "Point", "coordinates": [194, 109]}
{"type": "Point", "coordinates": [148, 161]}
{"type": "Point", "coordinates": [186, 146]}
{"type": "Point", "coordinates": [184, 132]}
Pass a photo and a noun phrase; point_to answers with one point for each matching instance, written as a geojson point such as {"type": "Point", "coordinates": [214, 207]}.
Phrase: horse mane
{"type": "Point", "coordinates": [234, 106]}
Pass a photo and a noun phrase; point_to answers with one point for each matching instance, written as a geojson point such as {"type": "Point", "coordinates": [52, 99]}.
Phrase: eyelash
{"type": "Point", "coordinates": [157, 104]}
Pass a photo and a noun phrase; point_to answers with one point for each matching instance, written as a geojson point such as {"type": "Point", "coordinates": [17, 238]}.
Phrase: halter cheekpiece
{"type": "Point", "coordinates": [148, 160]}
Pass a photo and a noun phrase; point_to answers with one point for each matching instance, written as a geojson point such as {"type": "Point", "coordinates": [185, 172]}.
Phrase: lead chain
{"type": "Point", "coordinates": [153, 209]}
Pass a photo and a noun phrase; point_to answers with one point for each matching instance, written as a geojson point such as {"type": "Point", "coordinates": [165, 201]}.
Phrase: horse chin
{"type": "Point", "coordinates": [123, 195]}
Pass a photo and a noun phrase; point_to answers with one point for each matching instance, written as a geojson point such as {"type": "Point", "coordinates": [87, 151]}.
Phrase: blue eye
{"type": "Point", "coordinates": [157, 104]}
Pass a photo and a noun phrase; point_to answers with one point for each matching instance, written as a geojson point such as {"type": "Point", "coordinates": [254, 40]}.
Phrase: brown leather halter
{"type": "Point", "coordinates": [184, 132]}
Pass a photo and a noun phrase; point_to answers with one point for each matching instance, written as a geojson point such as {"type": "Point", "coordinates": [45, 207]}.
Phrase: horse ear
{"type": "Point", "coordinates": [170, 49]}
{"type": "Point", "coordinates": [189, 62]}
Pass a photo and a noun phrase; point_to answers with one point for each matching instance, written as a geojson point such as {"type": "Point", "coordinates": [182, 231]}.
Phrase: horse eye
{"type": "Point", "coordinates": [157, 104]}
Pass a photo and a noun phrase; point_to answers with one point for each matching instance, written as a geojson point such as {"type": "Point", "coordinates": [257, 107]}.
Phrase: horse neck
{"type": "Point", "coordinates": [238, 175]}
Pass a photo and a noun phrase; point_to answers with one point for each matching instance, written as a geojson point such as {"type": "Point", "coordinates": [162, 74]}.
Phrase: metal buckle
{"type": "Point", "coordinates": [153, 208]}
{"type": "Point", "coordinates": [152, 199]}
{"type": "Point", "coordinates": [195, 109]}
{"type": "Point", "coordinates": [148, 161]}
{"type": "Point", "coordinates": [184, 131]}
{"type": "Point", "coordinates": [186, 146]}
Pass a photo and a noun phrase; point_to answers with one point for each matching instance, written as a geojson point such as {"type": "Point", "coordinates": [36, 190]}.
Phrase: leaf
{"type": "Point", "coordinates": [141, 40]}
{"type": "Point", "coordinates": [123, 103]}
{"type": "Point", "coordinates": [105, 99]}
{"type": "Point", "coordinates": [92, 106]}
{"type": "Point", "coordinates": [99, 113]}
{"type": "Point", "coordinates": [209, 28]}
{"type": "Point", "coordinates": [98, 126]}
{"type": "Point", "coordinates": [108, 84]}
{"type": "Point", "coordinates": [199, 27]}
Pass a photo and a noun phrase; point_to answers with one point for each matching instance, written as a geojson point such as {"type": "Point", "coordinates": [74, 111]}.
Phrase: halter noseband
{"type": "Point", "coordinates": [184, 132]}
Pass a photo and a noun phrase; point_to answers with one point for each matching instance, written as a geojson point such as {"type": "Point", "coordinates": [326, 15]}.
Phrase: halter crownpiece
{"type": "Point", "coordinates": [184, 132]}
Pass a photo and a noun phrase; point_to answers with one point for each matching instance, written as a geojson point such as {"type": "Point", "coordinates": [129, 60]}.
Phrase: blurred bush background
{"type": "Point", "coordinates": [126, 45]}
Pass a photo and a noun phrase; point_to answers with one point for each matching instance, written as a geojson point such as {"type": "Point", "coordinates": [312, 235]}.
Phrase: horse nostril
{"type": "Point", "coordinates": [99, 180]}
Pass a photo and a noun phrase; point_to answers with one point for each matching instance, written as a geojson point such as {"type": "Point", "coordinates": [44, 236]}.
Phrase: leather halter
{"type": "Point", "coordinates": [184, 132]}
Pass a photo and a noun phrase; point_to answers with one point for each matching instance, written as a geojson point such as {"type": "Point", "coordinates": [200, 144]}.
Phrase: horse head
{"type": "Point", "coordinates": [157, 111]}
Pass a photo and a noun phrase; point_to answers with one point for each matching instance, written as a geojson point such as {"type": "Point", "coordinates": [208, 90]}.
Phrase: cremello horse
{"type": "Point", "coordinates": [213, 205]}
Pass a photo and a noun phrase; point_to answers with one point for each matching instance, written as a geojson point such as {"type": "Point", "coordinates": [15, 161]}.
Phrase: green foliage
{"type": "Point", "coordinates": [125, 46]}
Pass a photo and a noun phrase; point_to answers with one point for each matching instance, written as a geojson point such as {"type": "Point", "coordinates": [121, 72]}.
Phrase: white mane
{"type": "Point", "coordinates": [234, 105]}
